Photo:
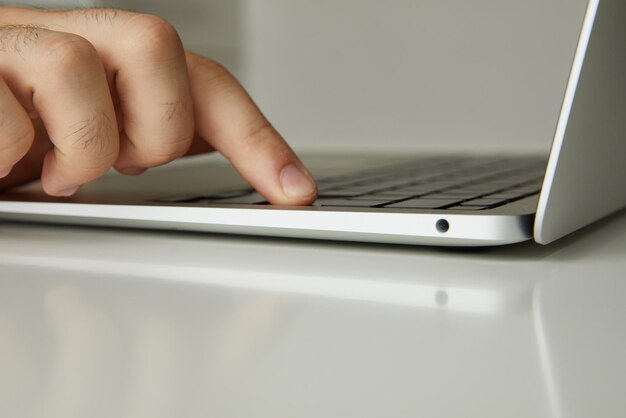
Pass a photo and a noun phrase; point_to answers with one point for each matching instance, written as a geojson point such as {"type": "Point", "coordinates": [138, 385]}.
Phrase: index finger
{"type": "Point", "coordinates": [229, 120]}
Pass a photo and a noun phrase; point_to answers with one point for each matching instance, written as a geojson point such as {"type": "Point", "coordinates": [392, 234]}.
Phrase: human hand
{"type": "Point", "coordinates": [82, 91]}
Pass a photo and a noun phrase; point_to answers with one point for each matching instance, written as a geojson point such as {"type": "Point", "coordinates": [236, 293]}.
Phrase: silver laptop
{"type": "Point", "coordinates": [455, 200]}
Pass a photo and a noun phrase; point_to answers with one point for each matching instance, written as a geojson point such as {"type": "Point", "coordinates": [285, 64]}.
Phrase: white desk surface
{"type": "Point", "coordinates": [125, 323]}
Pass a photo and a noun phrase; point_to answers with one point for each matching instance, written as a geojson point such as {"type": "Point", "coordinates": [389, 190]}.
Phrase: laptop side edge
{"type": "Point", "coordinates": [586, 175]}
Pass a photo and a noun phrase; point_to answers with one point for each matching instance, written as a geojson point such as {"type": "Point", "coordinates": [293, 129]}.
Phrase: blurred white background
{"type": "Point", "coordinates": [365, 74]}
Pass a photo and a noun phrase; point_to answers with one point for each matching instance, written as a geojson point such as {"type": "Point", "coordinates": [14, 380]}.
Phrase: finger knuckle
{"type": "Point", "coordinates": [99, 15]}
{"type": "Point", "coordinates": [155, 37]}
{"type": "Point", "coordinates": [68, 54]}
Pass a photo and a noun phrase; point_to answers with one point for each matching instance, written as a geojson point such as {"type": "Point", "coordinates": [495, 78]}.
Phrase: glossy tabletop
{"type": "Point", "coordinates": [132, 323]}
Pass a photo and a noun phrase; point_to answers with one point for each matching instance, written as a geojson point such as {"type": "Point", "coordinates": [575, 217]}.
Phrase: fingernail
{"type": "Point", "coordinates": [67, 192]}
{"type": "Point", "coordinates": [296, 182]}
{"type": "Point", "coordinates": [4, 171]}
{"type": "Point", "coordinates": [131, 171]}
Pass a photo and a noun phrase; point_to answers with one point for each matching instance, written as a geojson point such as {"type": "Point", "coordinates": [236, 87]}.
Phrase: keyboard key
{"type": "Point", "coordinates": [414, 191]}
{"type": "Point", "coordinates": [468, 208]}
{"type": "Point", "coordinates": [388, 196]}
{"type": "Point", "coordinates": [352, 191]}
{"type": "Point", "coordinates": [423, 203]}
{"type": "Point", "coordinates": [228, 194]}
{"type": "Point", "coordinates": [250, 199]}
{"type": "Point", "coordinates": [349, 203]}
{"type": "Point", "coordinates": [484, 202]}
{"type": "Point", "coordinates": [212, 196]}
{"type": "Point", "coordinates": [334, 194]}
{"type": "Point", "coordinates": [502, 196]}
{"type": "Point", "coordinates": [531, 189]}
{"type": "Point", "coordinates": [459, 195]}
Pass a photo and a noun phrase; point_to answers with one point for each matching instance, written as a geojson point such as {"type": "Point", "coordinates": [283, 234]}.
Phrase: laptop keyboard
{"type": "Point", "coordinates": [455, 183]}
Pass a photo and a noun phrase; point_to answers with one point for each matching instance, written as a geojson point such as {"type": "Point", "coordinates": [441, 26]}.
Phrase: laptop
{"type": "Point", "coordinates": [448, 200]}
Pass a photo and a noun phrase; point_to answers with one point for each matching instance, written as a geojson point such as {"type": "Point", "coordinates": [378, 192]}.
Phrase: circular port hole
{"type": "Point", "coordinates": [442, 225]}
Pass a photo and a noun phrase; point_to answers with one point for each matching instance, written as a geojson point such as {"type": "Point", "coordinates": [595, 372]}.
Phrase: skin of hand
{"type": "Point", "coordinates": [85, 90]}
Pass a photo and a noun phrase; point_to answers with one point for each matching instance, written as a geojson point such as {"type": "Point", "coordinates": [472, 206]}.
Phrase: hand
{"type": "Point", "coordinates": [82, 91]}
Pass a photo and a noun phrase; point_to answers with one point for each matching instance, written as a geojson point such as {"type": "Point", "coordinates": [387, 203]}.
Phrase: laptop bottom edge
{"type": "Point", "coordinates": [440, 229]}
